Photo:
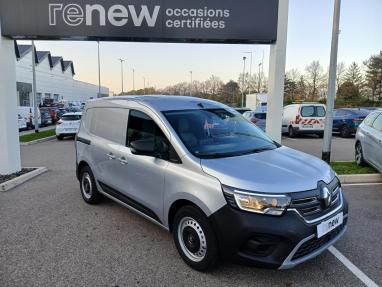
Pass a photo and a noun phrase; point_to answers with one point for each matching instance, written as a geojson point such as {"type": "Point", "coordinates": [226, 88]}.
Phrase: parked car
{"type": "Point", "coordinates": [60, 112]}
{"type": "Point", "coordinates": [258, 118]}
{"type": "Point", "coordinates": [368, 147]}
{"type": "Point", "coordinates": [307, 118]}
{"type": "Point", "coordinates": [46, 119]}
{"type": "Point", "coordinates": [27, 113]}
{"type": "Point", "coordinates": [68, 125]}
{"type": "Point", "coordinates": [203, 172]}
{"type": "Point", "coordinates": [22, 123]}
{"type": "Point", "coordinates": [52, 111]}
{"type": "Point", "coordinates": [242, 110]}
{"type": "Point", "coordinates": [346, 121]}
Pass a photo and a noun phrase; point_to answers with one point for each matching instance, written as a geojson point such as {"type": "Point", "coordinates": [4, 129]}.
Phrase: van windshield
{"type": "Point", "coordinates": [216, 133]}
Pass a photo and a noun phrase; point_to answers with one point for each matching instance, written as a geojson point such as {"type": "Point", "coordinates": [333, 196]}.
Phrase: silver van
{"type": "Point", "coordinates": [200, 170]}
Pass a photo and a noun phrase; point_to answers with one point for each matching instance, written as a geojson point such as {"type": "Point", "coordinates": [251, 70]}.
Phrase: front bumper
{"type": "Point", "coordinates": [270, 241]}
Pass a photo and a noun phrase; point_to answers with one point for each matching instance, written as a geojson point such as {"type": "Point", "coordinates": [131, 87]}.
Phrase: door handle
{"type": "Point", "coordinates": [111, 156]}
{"type": "Point", "coordinates": [123, 161]}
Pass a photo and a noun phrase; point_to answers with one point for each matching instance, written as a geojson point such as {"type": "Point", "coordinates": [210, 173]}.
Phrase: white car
{"type": "Point", "coordinates": [68, 125]}
{"type": "Point", "coordinates": [22, 123]}
{"type": "Point", "coordinates": [307, 118]}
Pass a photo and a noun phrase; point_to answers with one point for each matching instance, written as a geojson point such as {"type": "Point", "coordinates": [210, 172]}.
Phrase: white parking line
{"type": "Point", "coordinates": [354, 269]}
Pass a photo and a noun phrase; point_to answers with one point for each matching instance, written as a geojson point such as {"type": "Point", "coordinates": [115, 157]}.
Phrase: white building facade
{"type": "Point", "coordinates": [54, 79]}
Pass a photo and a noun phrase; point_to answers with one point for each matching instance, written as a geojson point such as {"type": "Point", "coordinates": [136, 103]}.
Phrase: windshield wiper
{"type": "Point", "coordinates": [257, 150]}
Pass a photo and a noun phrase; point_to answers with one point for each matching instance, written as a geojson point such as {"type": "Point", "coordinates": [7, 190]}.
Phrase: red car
{"type": "Point", "coordinates": [52, 112]}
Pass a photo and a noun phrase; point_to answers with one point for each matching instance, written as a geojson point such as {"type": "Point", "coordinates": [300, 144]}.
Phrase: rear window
{"type": "Point", "coordinates": [262, 116]}
{"type": "Point", "coordinates": [71, 118]}
{"type": "Point", "coordinates": [370, 119]}
{"type": "Point", "coordinates": [313, 112]}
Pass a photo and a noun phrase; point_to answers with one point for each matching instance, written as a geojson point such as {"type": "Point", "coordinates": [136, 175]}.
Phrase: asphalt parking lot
{"type": "Point", "coordinates": [342, 148]}
{"type": "Point", "coordinates": [50, 237]}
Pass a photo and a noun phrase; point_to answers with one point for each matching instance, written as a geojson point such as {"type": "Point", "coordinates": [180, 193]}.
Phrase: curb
{"type": "Point", "coordinates": [360, 178]}
{"type": "Point", "coordinates": [8, 185]}
{"type": "Point", "coordinates": [38, 141]}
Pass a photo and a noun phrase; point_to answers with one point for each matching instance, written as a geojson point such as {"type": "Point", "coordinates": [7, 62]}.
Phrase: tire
{"type": "Point", "coordinates": [345, 131]}
{"type": "Point", "coordinates": [88, 186]}
{"type": "Point", "coordinates": [291, 132]}
{"type": "Point", "coordinates": [320, 135]}
{"type": "Point", "coordinates": [194, 238]}
{"type": "Point", "coordinates": [60, 138]}
{"type": "Point", "coordinates": [359, 159]}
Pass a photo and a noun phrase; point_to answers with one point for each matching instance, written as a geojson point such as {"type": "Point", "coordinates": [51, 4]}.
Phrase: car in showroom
{"type": "Point", "coordinates": [368, 146]}
{"type": "Point", "coordinates": [68, 125]}
{"type": "Point", "coordinates": [220, 185]}
{"type": "Point", "coordinates": [46, 119]}
{"type": "Point", "coordinates": [22, 123]}
{"type": "Point", "coordinates": [347, 120]}
{"type": "Point", "coordinates": [302, 119]}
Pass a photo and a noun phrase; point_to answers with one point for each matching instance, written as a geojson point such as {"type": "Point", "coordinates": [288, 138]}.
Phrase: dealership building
{"type": "Point", "coordinates": [54, 79]}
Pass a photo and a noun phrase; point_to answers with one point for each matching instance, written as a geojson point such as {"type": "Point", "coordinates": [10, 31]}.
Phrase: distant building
{"type": "Point", "coordinates": [54, 79]}
{"type": "Point", "coordinates": [257, 101]}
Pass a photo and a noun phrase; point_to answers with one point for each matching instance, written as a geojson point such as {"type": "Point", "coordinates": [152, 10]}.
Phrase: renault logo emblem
{"type": "Point", "coordinates": [326, 197]}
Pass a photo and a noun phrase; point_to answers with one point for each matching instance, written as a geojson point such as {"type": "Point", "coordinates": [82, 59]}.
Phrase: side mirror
{"type": "Point", "coordinates": [143, 147]}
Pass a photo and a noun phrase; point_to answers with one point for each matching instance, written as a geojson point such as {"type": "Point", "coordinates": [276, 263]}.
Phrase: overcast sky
{"type": "Point", "coordinates": [309, 36]}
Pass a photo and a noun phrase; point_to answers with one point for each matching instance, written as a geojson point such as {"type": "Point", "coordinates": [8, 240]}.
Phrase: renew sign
{"type": "Point", "coordinates": [196, 21]}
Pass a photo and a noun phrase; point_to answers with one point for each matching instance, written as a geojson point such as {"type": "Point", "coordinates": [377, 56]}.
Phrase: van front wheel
{"type": "Point", "coordinates": [195, 239]}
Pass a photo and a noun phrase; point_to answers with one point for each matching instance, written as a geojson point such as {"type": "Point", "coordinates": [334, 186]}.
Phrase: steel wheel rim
{"type": "Point", "coordinates": [86, 185]}
{"type": "Point", "coordinates": [188, 223]}
{"type": "Point", "coordinates": [358, 154]}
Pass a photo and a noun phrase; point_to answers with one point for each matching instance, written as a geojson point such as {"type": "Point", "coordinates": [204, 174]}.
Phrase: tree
{"type": "Point", "coordinates": [354, 75]}
{"type": "Point", "coordinates": [291, 82]}
{"type": "Point", "coordinates": [374, 76]}
{"type": "Point", "coordinates": [314, 76]}
{"type": "Point", "coordinates": [348, 91]}
{"type": "Point", "coordinates": [230, 92]}
{"type": "Point", "coordinates": [341, 69]}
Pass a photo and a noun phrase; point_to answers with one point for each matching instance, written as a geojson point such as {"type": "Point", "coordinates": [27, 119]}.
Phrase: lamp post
{"type": "Point", "coordinates": [191, 84]}
{"type": "Point", "coordinates": [99, 72]}
{"type": "Point", "coordinates": [35, 105]}
{"type": "Point", "coordinates": [326, 151]}
{"type": "Point", "coordinates": [122, 60]}
{"type": "Point", "coordinates": [242, 94]}
{"type": "Point", "coordinates": [260, 78]}
{"type": "Point", "coordinates": [250, 67]}
{"type": "Point", "coordinates": [144, 85]}
{"type": "Point", "coordinates": [133, 79]}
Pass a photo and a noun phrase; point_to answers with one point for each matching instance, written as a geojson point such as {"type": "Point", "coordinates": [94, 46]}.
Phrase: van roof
{"type": "Point", "coordinates": [162, 102]}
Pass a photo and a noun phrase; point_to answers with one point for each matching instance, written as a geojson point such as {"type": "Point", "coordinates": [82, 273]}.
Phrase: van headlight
{"type": "Point", "coordinates": [256, 202]}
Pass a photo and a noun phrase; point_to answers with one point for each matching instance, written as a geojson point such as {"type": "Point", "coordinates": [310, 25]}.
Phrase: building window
{"type": "Point", "coordinates": [24, 99]}
{"type": "Point", "coordinates": [56, 98]}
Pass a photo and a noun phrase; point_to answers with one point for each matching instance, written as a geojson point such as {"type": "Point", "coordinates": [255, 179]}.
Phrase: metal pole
{"type": "Point", "coordinates": [326, 152]}
{"type": "Point", "coordinates": [260, 78]}
{"type": "Point", "coordinates": [250, 68]}
{"type": "Point", "coordinates": [144, 85]}
{"type": "Point", "coordinates": [99, 72]}
{"type": "Point", "coordinates": [35, 106]}
{"type": "Point", "coordinates": [191, 84]}
{"type": "Point", "coordinates": [133, 79]}
{"type": "Point", "coordinates": [122, 60]}
{"type": "Point", "coordinates": [242, 94]}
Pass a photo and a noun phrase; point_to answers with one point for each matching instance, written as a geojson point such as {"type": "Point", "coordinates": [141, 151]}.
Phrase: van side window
{"type": "Point", "coordinates": [108, 123]}
{"type": "Point", "coordinates": [142, 127]}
